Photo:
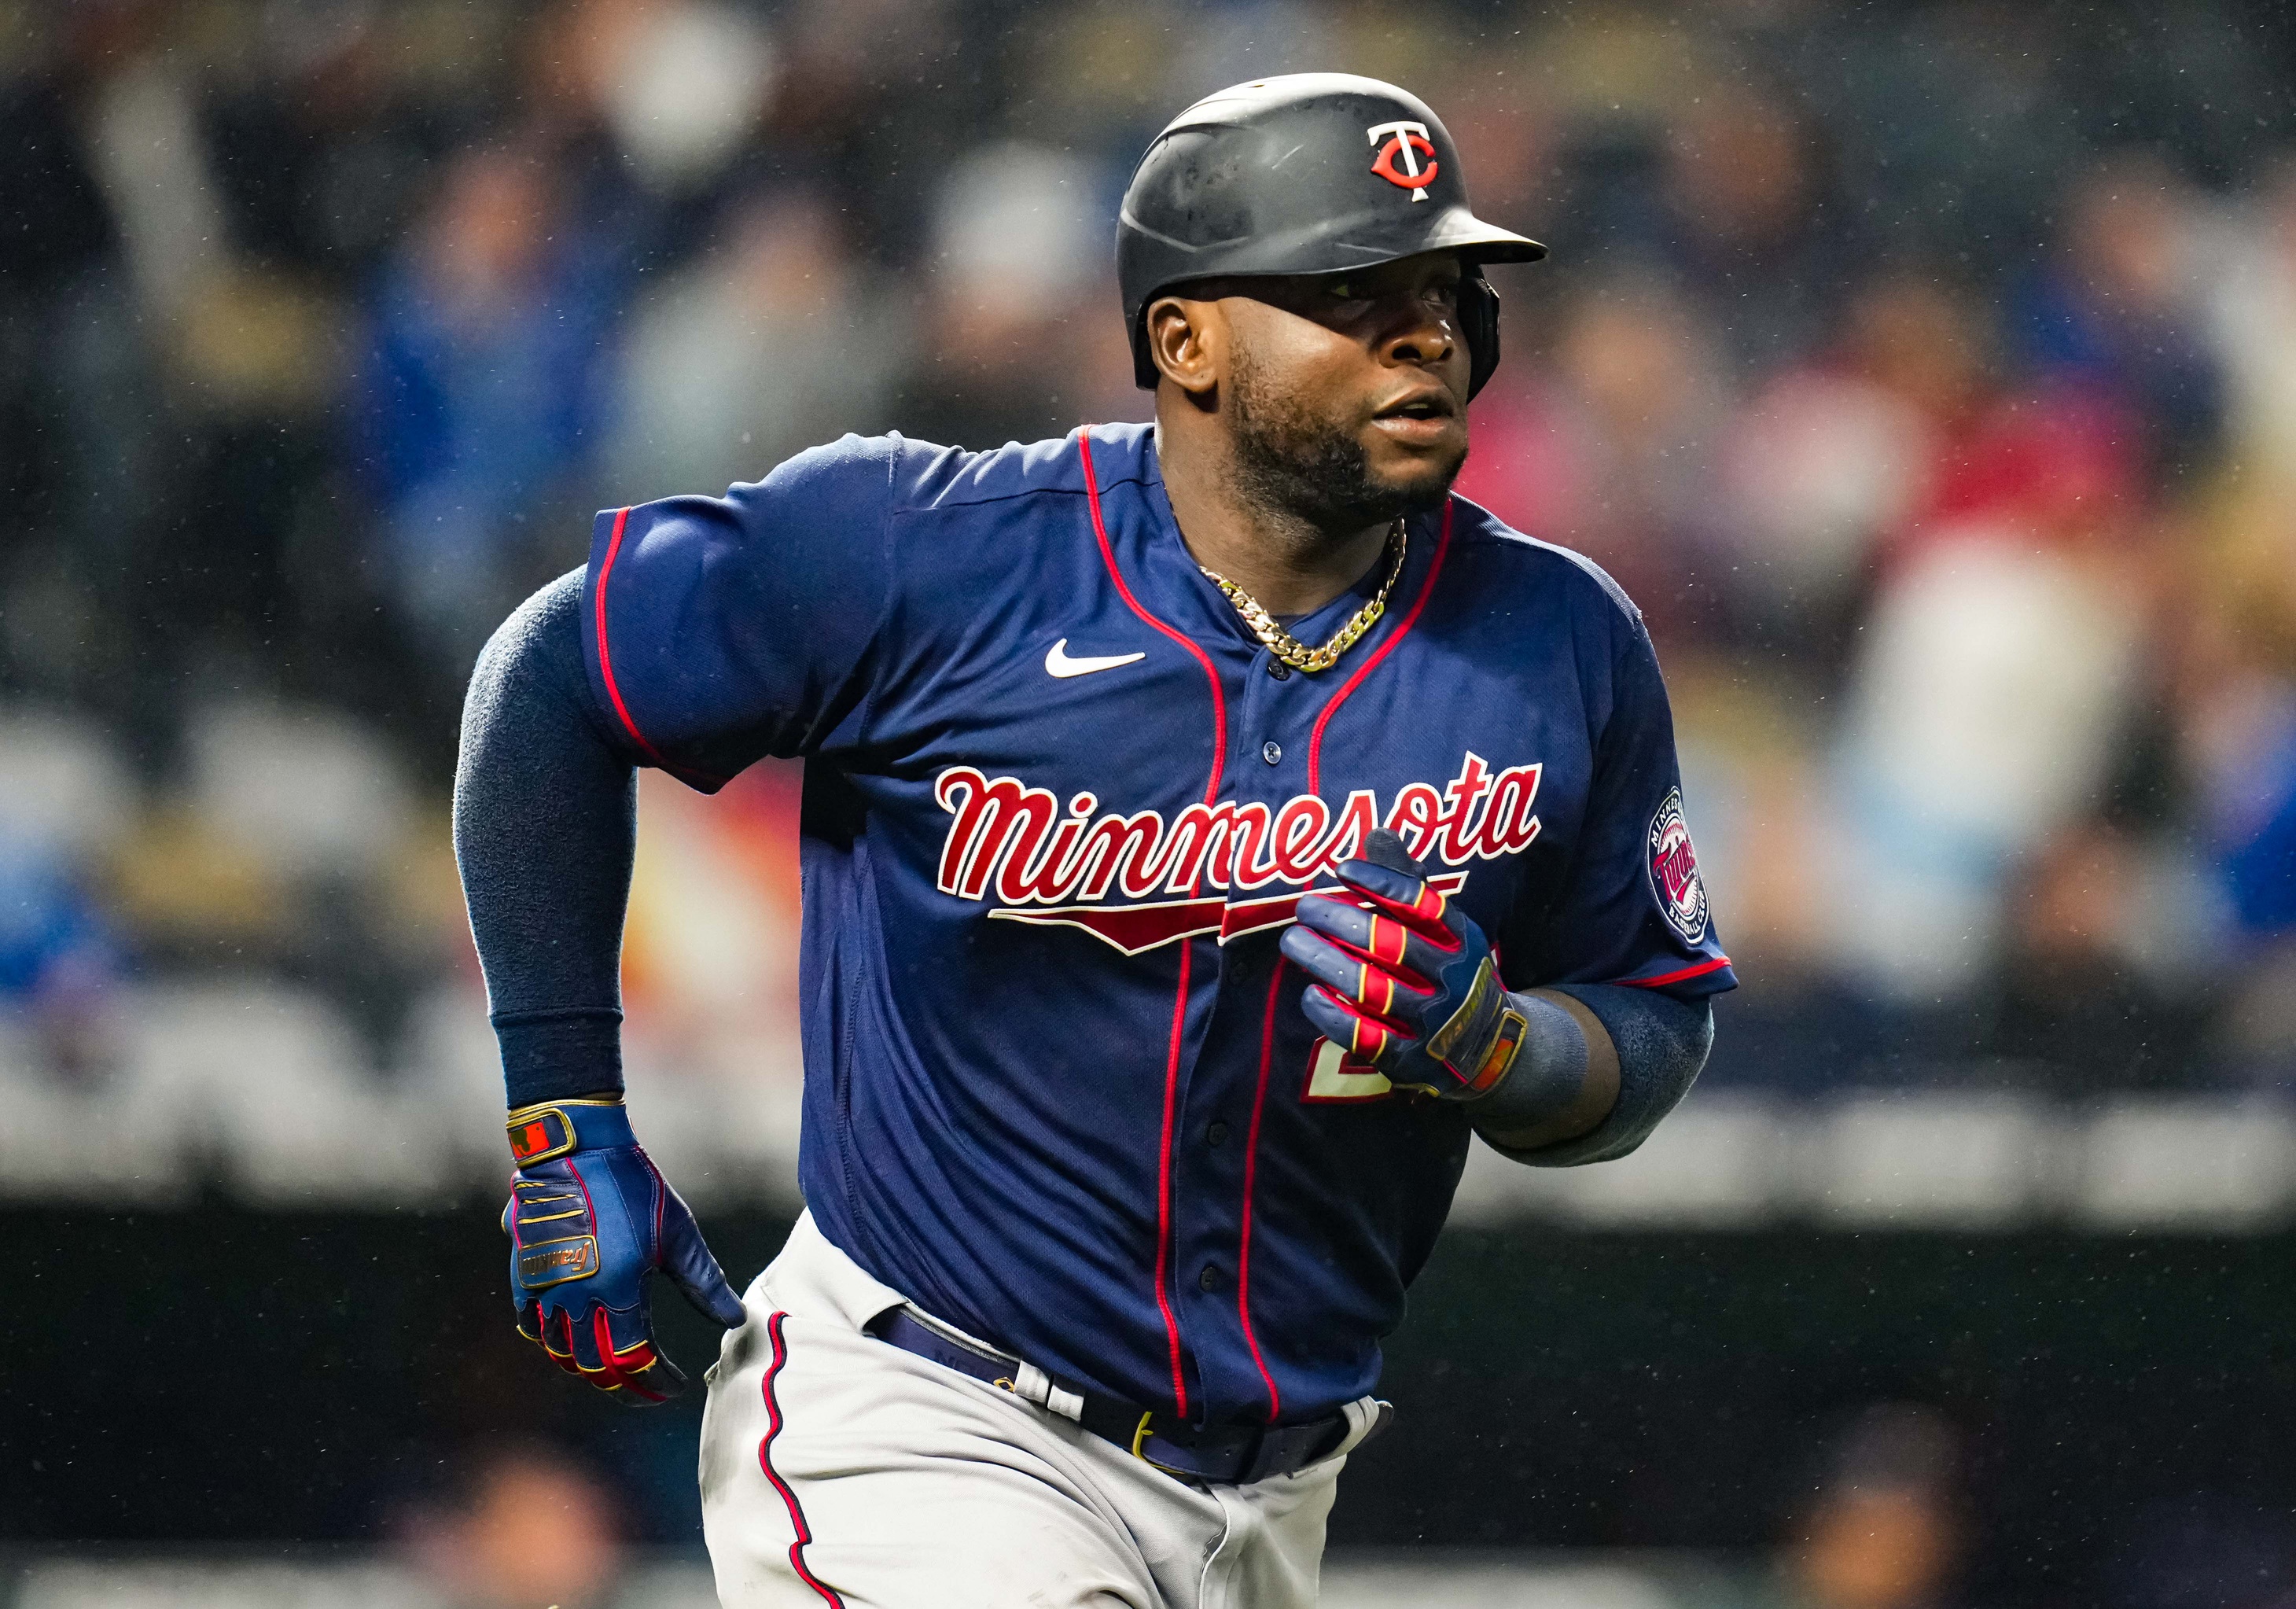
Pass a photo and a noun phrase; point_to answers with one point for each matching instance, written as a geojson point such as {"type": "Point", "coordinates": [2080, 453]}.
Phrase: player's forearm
{"type": "Point", "coordinates": [1604, 1063]}
{"type": "Point", "coordinates": [544, 823]}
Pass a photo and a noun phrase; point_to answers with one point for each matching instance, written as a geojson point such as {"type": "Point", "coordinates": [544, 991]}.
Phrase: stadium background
{"type": "Point", "coordinates": [1927, 372]}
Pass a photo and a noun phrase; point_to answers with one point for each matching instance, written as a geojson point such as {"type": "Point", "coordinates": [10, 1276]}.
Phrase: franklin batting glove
{"type": "Point", "coordinates": [589, 1220]}
{"type": "Point", "coordinates": [1404, 981]}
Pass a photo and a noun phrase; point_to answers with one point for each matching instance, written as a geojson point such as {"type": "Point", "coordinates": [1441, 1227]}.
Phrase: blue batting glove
{"type": "Point", "coordinates": [1404, 978]}
{"type": "Point", "coordinates": [589, 1220]}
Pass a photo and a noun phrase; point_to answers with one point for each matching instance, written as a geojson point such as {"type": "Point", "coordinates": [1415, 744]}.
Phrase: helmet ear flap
{"type": "Point", "coordinates": [1479, 326]}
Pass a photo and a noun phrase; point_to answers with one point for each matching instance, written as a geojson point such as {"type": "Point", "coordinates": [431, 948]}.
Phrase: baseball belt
{"type": "Point", "coordinates": [1226, 1454]}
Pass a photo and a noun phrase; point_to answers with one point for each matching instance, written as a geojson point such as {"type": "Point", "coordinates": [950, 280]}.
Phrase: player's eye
{"type": "Point", "coordinates": [1342, 290]}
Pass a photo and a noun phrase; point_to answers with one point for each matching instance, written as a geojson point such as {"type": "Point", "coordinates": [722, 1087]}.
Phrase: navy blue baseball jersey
{"type": "Point", "coordinates": [1058, 804]}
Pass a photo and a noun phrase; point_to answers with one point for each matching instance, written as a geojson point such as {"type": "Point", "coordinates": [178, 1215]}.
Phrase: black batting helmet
{"type": "Point", "coordinates": [1309, 173]}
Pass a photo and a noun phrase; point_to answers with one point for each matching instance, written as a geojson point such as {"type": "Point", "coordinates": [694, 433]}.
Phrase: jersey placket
{"type": "Point", "coordinates": [1218, 1138]}
{"type": "Point", "coordinates": [1237, 991]}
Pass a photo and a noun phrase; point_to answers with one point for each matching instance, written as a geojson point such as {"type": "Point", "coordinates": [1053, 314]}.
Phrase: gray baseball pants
{"type": "Point", "coordinates": [836, 1469]}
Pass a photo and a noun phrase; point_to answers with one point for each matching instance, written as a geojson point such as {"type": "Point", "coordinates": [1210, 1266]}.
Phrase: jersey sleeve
{"type": "Point", "coordinates": [1633, 907]}
{"type": "Point", "coordinates": [719, 630]}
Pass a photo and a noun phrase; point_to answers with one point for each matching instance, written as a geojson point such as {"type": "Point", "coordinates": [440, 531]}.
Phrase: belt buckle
{"type": "Point", "coordinates": [1244, 1472]}
{"type": "Point", "coordinates": [1140, 1434]}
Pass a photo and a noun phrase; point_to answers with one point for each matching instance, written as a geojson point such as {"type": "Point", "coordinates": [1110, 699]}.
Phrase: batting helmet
{"type": "Point", "coordinates": [1309, 173]}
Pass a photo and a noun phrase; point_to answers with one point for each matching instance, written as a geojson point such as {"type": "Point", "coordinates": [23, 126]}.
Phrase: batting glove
{"type": "Point", "coordinates": [590, 1218]}
{"type": "Point", "coordinates": [1404, 978]}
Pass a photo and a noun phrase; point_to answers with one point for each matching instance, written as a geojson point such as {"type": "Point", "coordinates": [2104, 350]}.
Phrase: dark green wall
{"type": "Point", "coordinates": [217, 1374]}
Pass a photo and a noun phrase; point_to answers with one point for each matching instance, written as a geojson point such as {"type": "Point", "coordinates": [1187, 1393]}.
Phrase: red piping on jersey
{"type": "Point", "coordinates": [1180, 1002]}
{"type": "Point", "coordinates": [1164, 1184]}
{"type": "Point", "coordinates": [605, 659]}
{"type": "Point", "coordinates": [765, 1462]}
{"type": "Point", "coordinates": [1108, 557]}
{"type": "Point", "coordinates": [606, 662]}
{"type": "Point", "coordinates": [1426, 589]}
{"type": "Point", "coordinates": [1251, 1167]}
{"type": "Point", "coordinates": [1663, 978]}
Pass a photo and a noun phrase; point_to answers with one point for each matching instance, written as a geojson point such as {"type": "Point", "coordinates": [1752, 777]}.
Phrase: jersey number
{"type": "Point", "coordinates": [1333, 1076]}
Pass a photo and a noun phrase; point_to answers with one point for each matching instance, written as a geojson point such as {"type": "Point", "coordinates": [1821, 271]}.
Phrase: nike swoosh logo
{"type": "Point", "coordinates": [1057, 661]}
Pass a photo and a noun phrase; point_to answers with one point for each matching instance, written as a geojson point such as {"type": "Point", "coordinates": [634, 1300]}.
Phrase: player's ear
{"type": "Point", "coordinates": [1184, 337]}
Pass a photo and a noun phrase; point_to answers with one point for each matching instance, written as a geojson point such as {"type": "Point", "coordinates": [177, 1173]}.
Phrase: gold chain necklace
{"type": "Point", "coordinates": [1290, 649]}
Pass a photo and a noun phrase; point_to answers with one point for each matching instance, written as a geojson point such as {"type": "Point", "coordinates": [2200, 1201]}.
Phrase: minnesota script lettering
{"type": "Point", "coordinates": [1014, 844]}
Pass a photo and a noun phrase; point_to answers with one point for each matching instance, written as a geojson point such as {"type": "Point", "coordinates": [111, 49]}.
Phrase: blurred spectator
{"type": "Point", "coordinates": [77, 375]}
{"type": "Point", "coordinates": [680, 82]}
{"type": "Point", "coordinates": [1749, 232]}
{"type": "Point", "coordinates": [2252, 330]}
{"type": "Point", "coordinates": [1885, 1531]}
{"type": "Point", "coordinates": [1921, 334]}
{"type": "Point", "coordinates": [1999, 657]}
{"type": "Point", "coordinates": [318, 147]}
{"type": "Point", "coordinates": [1983, 704]}
{"type": "Point", "coordinates": [1613, 454]}
{"type": "Point", "coordinates": [484, 391]}
{"type": "Point", "coordinates": [2077, 998]}
{"type": "Point", "coordinates": [2121, 308]}
{"type": "Point", "coordinates": [57, 963]}
{"type": "Point", "coordinates": [1942, 426]}
{"type": "Point", "coordinates": [2248, 748]}
{"type": "Point", "coordinates": [1020, 239]}
{"type": "Point", "coordinates": [50, 176]}
{"type": "Point", "coordinates": [65, 802]}
{"type": "Point", "coordinates": [2234, 658]}
{"type": "Point", "coordinates": [1832, 455]}
{"type": "Point", "coordinates": [2234, 684]}
{"type": "Point", "coordinates": [529, 1525]}
{"type": "Point", "coordinates": [774, 343]}
{"type": "Point", "coordinates": [1506, 138]}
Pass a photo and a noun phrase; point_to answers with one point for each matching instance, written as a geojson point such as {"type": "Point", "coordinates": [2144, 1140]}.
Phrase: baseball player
{"type": "Point", "coordinates": [1209, 831]}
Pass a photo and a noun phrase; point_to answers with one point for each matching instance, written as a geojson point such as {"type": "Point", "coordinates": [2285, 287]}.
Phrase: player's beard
{"type": "Point", "coordinates": [1310, 466]}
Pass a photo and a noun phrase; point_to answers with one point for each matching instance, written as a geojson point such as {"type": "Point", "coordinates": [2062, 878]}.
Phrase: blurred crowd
{"type": "Point", "coordinates": [1927, 372]}
{"type": "Point", "coordinates": [1878, 1514]}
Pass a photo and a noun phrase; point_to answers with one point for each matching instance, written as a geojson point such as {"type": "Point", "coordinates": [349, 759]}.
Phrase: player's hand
{"type": "Point", "coordinates": [1407, 984]}
{"type": "Point", "coordinates": [589, 1220]}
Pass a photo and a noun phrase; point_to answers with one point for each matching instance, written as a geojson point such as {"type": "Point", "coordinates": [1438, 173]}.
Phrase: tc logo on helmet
{"type": "Point", "coordinates": [1406, 143]}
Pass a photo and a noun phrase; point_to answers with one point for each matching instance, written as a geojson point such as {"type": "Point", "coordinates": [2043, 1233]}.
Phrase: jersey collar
{"type": "Point", "coordinates": [1186, 598]}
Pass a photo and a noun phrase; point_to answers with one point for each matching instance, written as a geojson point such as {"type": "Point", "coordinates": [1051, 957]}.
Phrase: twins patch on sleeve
{"type": "Point", "coordinates": [1674, 876]}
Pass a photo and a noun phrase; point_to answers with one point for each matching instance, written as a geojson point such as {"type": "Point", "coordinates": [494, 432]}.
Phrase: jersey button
{"type": "Point", "coordinates": [1209, 1280]}
{"type": "Point", "coordinates": [1216, 1134]}
{"type": "Point", "coordinates": [1272, 752]}
{"type": "Point", "coordinates": [1281, 671]}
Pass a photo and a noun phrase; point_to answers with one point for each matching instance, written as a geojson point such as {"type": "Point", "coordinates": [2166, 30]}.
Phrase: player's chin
{"type": "Point", "coordinates": [1419, 461]}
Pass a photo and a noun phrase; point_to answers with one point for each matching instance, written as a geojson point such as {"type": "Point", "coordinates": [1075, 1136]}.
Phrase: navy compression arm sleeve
{"type": "Point", "coordinates": [545, 818]}
{"type": "Point", "coordinates": [1661, 1044]}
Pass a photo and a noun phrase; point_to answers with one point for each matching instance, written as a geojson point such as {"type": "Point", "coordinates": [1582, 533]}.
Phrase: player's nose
{"type": "Point", "coordinates": [1422, 332]}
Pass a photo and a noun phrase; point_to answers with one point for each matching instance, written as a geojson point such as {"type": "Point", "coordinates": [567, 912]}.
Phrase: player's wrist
{"type": "Point", "coordinates": [1566, 1081]}
{"type": "Point", "coordinates": [559, 1055]}
{"type": "Point", "coordinates": [1546, 1059]}
{"type": "Point", "coordinates": [544, 1129]}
